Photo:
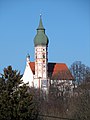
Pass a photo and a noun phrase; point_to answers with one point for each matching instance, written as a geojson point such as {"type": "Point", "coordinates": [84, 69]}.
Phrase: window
{"type": "Point", "coordinates": [43, 61]}
{"type": "Point", "coordinates": [43, 55]}
{"type": "Point", "coordinates": [36, 56]}
{"type": "Point", "coordinates": [44, 83]}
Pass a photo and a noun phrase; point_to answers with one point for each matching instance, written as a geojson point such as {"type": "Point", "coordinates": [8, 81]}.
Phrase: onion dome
{"type": "Point", "coordinates": [41, 38]}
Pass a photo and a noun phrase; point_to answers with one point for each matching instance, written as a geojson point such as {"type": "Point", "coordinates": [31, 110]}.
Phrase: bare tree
{"type": "Point", "coordinates": [79, 71]}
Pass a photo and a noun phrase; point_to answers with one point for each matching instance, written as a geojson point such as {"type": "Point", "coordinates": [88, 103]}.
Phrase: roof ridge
{"type": "Point", "coordinates": [57, 63]}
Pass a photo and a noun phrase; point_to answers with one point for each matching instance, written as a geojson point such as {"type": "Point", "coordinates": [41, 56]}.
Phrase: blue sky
{"type": "Point", "coordinates": [67, 24]}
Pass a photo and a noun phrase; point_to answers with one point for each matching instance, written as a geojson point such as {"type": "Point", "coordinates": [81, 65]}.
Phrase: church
{"type": "Point", "coordinates": [40, 74]}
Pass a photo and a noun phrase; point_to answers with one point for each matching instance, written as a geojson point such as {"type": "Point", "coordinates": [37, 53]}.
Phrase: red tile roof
{"type": "Point", "coordinates": [58, 71]}
{"type": "Point", "coordinates": [32, 66]}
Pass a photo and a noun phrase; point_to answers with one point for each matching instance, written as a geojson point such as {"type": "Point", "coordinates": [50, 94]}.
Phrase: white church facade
{"type": "Point", "coordinates": [41, 73]}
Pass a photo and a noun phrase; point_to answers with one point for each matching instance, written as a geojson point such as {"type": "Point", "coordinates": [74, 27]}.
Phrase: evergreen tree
{"type": "Point", "coordinates": [16, 101]}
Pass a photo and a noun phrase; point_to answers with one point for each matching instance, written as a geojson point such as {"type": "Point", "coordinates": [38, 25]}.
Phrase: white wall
{"type": "Point", "coordinates": [28, 75]}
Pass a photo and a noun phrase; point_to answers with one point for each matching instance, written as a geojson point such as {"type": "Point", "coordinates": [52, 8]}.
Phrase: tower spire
{"type": "Point", "coordinates": [28, 58]}
{"type": "Point", "coordinates": [41, 38]}
{"type": "Point", "coordinates": [40, 16]}
{"type": "Point", "coordinates": [40, 27]}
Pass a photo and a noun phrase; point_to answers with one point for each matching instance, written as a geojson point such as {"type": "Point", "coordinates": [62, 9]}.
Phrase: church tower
{"type": "Point", "coordinates": [41, 58]}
